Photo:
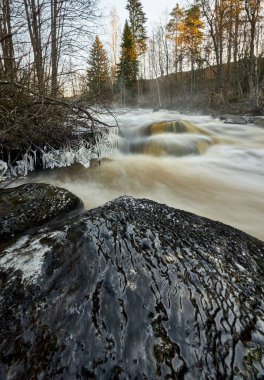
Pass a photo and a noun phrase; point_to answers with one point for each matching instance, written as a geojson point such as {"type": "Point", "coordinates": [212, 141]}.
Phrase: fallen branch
{"type": "Point", "coordinates": [28, 119]}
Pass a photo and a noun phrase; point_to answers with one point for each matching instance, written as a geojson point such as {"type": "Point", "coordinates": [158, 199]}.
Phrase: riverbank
{"type": "Point", "coordinates": [239, 108]}
{"type": "Point", "coordinates": [207, 105]}
{"type": "Point", "coordinates": [41, 132]}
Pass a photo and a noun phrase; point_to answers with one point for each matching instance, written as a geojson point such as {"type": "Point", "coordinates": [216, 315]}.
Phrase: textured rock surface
{"type": "Point", "coordinates": [31, 205]}
{"type": "Point", "coordinates": [133, 290]}
{"type": "Point", "coordinates": [235, 119]}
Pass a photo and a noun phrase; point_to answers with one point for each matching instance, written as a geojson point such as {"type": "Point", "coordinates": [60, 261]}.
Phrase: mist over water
{"type": "Point", "coordinates": [200, 165]}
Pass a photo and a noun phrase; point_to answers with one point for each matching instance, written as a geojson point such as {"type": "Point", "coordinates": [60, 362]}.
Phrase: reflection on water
{"type": "Point", "coordinates": [205, 167]}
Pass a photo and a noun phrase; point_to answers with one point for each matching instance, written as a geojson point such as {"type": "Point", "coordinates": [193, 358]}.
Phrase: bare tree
{"type": "Point", "coordinates": [6, 41]}
{"type": "Point", "coordinates": [34, 18]}
{"type": "Point", "coordinates": [115, 33]}
{"type": "Point", "coordinates": [252, 8]}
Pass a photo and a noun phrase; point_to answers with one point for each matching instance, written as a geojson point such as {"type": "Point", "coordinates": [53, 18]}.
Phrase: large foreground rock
{"type": "Point", "coordinates": [133, 290]}
{"type": "Point", "coordinates": [32, 205]}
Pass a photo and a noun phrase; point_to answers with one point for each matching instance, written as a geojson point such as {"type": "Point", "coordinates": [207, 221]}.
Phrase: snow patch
{"type": "Point", "coordinates": [26, 255]}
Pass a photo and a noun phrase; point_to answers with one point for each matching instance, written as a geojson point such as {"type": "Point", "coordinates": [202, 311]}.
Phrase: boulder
{"type": "Point", "coordinates": [235, 119]}
{"type": "Point", "coordinates": [133, 290]}
{"type": "Point", "coordinates": [32, 205]}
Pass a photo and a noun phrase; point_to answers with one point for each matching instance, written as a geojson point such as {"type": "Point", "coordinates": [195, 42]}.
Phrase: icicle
{"type": "Point", "coordinates": [83, 153]}
{"type": "Point", "coordinates": [83, 156]}
{"type": "Point", "coordinates": [25, 163]}
{"type": "Point", "coordinates": [21, 168]}
{"type": "Point", "coordinates": [69, 158]}
{"type": "Point", "coordinates": [35, 156]}
{"type": "Point", "coordinates": [31, 165]}
{"type": "Point", "coordinates": [44, 160]}
{"type": "Point", "coordinates": [3, 169]}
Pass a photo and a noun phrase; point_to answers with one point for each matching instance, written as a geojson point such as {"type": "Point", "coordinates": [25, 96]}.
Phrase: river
{"type": "Point", "coordinates": [200, 165]}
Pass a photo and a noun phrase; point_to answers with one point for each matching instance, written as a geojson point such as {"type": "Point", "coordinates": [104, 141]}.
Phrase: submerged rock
{"type": "Point", "coordinates": [133, 290]}
{"type": "Point", "coordinates": [176, 138]}
{"type": "Point", "coordinates": [175, 126]}
{"type": "Point", "coordinates": [32, 205]}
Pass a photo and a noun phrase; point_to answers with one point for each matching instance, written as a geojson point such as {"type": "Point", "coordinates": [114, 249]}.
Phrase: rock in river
{"type": "Point", "coordinates": [133, 290]}
{"type": "Point", "coordinates": [31, 205]}
{"type": "Point", "coordinates": [235, 119]}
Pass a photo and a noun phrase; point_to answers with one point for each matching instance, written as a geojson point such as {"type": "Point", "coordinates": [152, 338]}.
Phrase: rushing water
{"type": "Point", "coordinates": [200, 165]}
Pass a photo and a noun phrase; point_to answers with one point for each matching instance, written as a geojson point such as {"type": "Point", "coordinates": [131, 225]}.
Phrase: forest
{"type": "Point", "coordinates": [209, 54]}
{"type": "Point", "coordinates": [55, 69]}
{"type": "Point", "coordinates": [131, 190]}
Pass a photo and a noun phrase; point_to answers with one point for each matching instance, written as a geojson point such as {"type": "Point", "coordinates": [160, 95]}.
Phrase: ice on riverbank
{"type": "Point", "coordinates": [50, 158]}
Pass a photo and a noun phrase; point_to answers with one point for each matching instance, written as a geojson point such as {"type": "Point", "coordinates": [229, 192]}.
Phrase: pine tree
{"type": "Point", "coordinates": [127, 69]}
{"type": "Point", "coordinates": [137, 21]}
{"type": "Point", "coordinates": [98, 76]}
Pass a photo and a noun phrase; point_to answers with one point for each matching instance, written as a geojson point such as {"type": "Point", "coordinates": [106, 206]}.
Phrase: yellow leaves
{"type": "Point", "coordinates": [190, 29]}
{"type": "Point", "coordinates": [130, 53]}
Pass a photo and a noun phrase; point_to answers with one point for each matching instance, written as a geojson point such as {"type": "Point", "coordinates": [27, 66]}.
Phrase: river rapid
{"type": "Point", "coordinates": [199, 165]}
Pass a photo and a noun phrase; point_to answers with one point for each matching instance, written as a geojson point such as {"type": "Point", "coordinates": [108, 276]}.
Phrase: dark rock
{"type": "Point", "coordinates": [235, 119]}
{"type": "Point", "coordinates": [133, 290]}
{"type": "Point", "coordinates": [32, 205]}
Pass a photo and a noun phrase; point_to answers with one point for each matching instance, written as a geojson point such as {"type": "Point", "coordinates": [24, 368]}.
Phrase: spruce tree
{"type": "Point", "coordinates": [127, 69]}
{"type": "Point", "coordinates": [137, 21]}
{"type": "Point", "coordinates": [98, 76]}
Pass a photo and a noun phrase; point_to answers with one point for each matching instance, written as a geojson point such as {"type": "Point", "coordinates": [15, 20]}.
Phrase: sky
{"type": "Point", "coordinates": [154, 9]}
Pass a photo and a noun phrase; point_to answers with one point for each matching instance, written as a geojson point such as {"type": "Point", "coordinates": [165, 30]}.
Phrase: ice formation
{"type": "Point", "coordinates": [3, 168]}
{"type": "Point", "coordinates": [52, 158]}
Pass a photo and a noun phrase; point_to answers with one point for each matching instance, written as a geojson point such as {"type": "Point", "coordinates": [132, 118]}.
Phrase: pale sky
{"type": "Point", "coordinates": [154, 9]}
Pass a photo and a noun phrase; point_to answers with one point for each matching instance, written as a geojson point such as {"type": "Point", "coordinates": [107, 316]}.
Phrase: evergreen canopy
{"type": "Point", "coordinates": [98, 72]}
{"type": "Point", "coordinates": [137, 21]}
{"type": "Point", "coordinates": [127, 69]}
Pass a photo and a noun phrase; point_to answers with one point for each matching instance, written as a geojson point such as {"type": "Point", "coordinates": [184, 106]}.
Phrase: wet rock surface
{"type": "Point", "coordinates": [32, 205]}
{"type": "Point", "coordinates": [133, 290]}
{"type": "Point", "coordinates": [235, 119]}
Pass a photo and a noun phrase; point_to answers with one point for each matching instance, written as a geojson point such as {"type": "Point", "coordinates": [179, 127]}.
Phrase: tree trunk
{"type": "Point", "coordinates": [6, 39]}
{"type": "Point", "coordinates": [252, 11]}
{"type": "Point", "coordinates": [54, 48]}
{"type": "Point", "coordinates": [33, 14]}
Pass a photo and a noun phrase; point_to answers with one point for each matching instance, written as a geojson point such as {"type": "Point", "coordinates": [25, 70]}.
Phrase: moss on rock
{"type": "Point", "coordinates": [31, 205]}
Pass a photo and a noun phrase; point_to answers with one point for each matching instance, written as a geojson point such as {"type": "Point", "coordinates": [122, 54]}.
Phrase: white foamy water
{"type": "Point", "coordinates": [215, 170]}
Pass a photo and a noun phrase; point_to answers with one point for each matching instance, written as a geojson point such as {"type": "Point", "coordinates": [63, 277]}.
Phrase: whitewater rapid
{"type": "Point", "coordinates": [209, 168]}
